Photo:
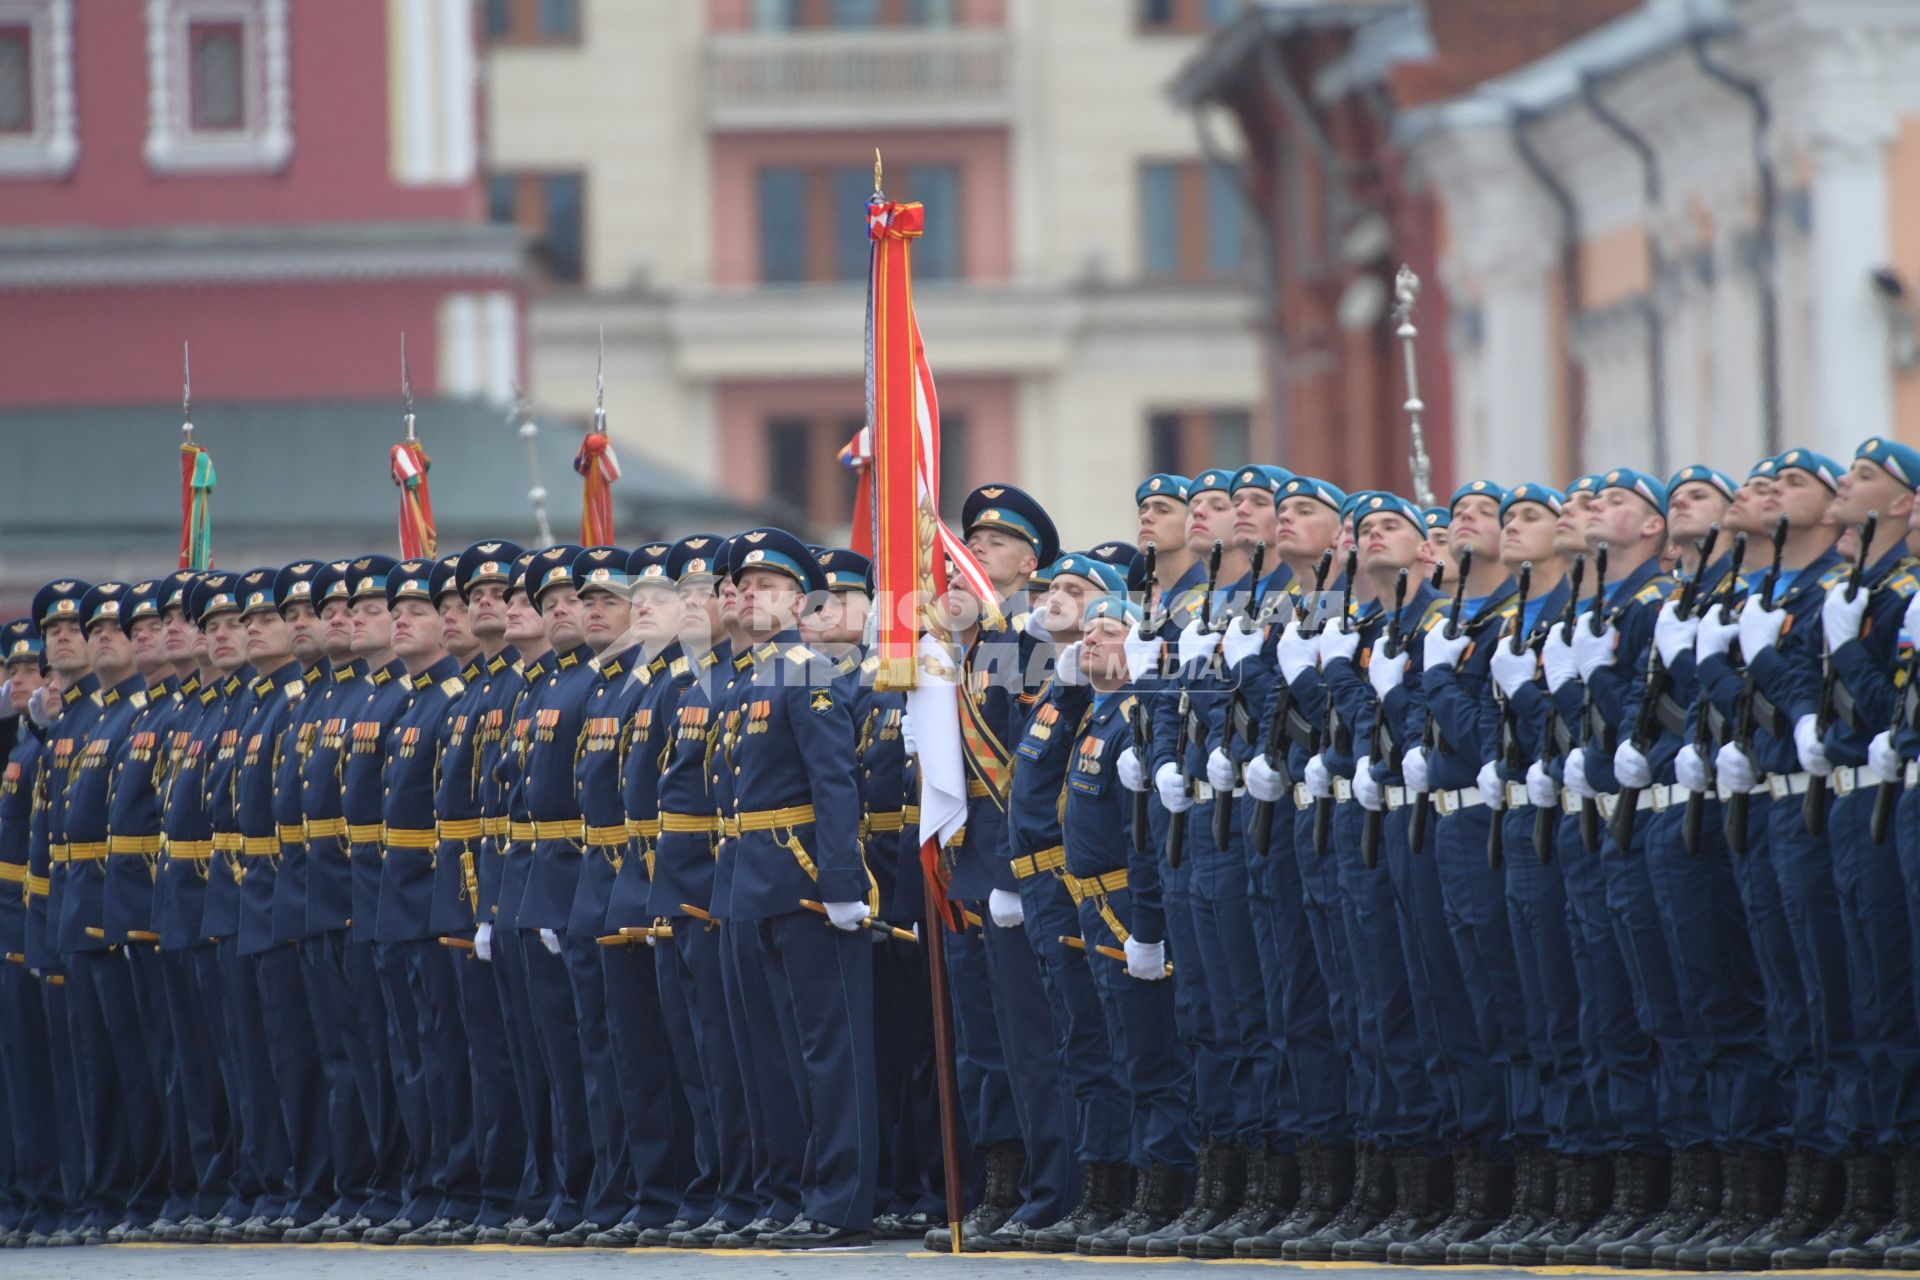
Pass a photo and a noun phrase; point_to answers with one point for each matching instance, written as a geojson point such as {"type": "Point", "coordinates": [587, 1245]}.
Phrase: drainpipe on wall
{"type": "Point", "coordinates": [1519, 124]}
{"type": "Point", "coordinates": [1766, 233]}
{"type": "Point", "coordinates": [1656, 267]}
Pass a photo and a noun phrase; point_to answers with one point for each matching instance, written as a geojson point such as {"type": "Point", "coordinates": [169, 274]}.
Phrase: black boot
{"type": "Point", "coordinates": [1369, 1200]}
{"type": "Point", "coordinates": [1104, 1190]}
{"type": "Point", "coordinates": [1005, 1162]}
{"type": "Point", "coordinates": [1532, 1205]}
{"type": "Point", "coordinates": [1696, 1202]}
{"type": "Point", "coordinates": [1219, 1180]}
{"type": "Point", "coordinates": [1482, 1198]}
{"type": "Point", "coordinates": [1122, 1228]}
{"type": "Point", "coordinates": [1759, 1187]}
{"type": "Point", "coordinates": [1811, 1201]}
{"type": "Point", "coordinates": [1273, 1187]}
{"type": "Point", "coordinates": [1640, 1184]}
{"type": "Point", "coordinates": [1866, 1207]}
{"type": "Point", "coordinates": [1326, 1176]}
{"type": "Point", "coordinates": [1158, 1197]}
{"type": "Point", "coordinates": [1582, 1185]}
{"type": "Point", "coordinates": [1422, 1192]}
{"type": "Point", "coordinates": [1891, 1244]}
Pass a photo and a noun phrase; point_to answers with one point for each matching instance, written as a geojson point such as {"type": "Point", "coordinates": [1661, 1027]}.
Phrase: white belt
{"type": "Point", "coordinates": [1517, 797]}
{"type": "Point", "coordinates": [1569, 803]}
{"type": "Point", "coordinates": [1610, 803]}
{"type": "Point", "coordinates": [1845, 780]}
{"type": "Point", "coordinates": [1398, 797]}
{"type": "Point", "coordinates": [1913, 773]}
{"type": "Point", "coordinates": [1783, 785]}
{"type": "Point", "coordinates": [1447, 803]}
{"type": "Point", "coordinates": [1760, 788]}
{"type": "Point", "coordinates": [1302, 797]}
{"type": "Point", "coordinates": [1343, 789]}
{"type": "Point", "coordinates": [1666, 795]}
{"type": "Point", "coordinates": [1202, 792]}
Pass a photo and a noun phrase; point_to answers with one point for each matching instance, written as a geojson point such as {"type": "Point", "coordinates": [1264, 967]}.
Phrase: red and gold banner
{"type": "Point", "coordinates": [196, 515]}
{"type": "Point", "coordinates": [408, 463]}
{"type": "Point", "coordinates": [599, 467]}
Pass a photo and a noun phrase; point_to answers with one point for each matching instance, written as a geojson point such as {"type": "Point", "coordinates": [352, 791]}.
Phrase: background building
{"type": "Point", "coordinates": [693, 176]}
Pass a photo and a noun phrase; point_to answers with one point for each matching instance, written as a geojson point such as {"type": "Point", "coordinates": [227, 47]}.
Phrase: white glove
{"type": "Point", "coordinates": [847, 916]}
{"type": "Point", "coordinates": [1807, 744]}
{"type": "Point", "coordinates": [1336, 641]}
{"type": "Point", "coordinates": [1319, 779]}
{"type": "Point", "coordinates": [1221, 774]}
{"type": "Point", "coordinates": [1066, 665]}
{"type": "Point", "coordinates": [43, 706]}
{"type": "Point", "coordinates": [1715, 634]}
{"type": "Point", "coordinates": [1297, 653]}
{"type": "Point", "coordinates": [550, 940]}
{"type": "Point", "coordinates": [1840, 617]}
{"type": "Point", "coordinates": [1541, 792]}
{"type": "Point", "coordinates": [1263, 781]}
{"type": "Point", "coordinates": [1386, 674]}
{"type": "Point", "coordinates": [1910, 621]}
{"type": "Point", "coordinates": [1005, 907]}
{"type": "Point", "coordinates": [1241, 642]}
{"type": "Point", "coordinates": [1172, 788]}
{"type": "Point", "coordinates": [907, 740]}
{"type": "Point", "coordinates": [1759, 628]}
{"type": "Point", "coordinates": [1592, 652]}
{"type": "Point", "coordinates": [1197, 643]}
{"type": "Point", "coordinates": [1413, 768]}
{"type": "Point", "coordinates": [1132, 776]}
{"type": "Point", "coordinates": [1631, 767]}
{"type": "Point", "coordinates": [1734, 769]}
{"type": "Point", "coordinates": [1691, 770]}
{"type": "Point", "coordinates": [6, 700]}
{"type": "Point", "coordinates": [1439, 651]}
{"type": "Point", "coordinates": [1036, 625]}
{"type": "Point", "coordinates": [1574, 775]}
{"type": "Point", "coordinates": [1146, 961]}
{"type": "Point", "coordinates": [1365, 788]}
{"type": "Point", "coordinates": [483, 940]}
{"type": "Point", "coordinates": [1883, 759]}
{"type": "Point", "coordinates": [1492, 790]}
{"type": "Point", "coordinates": [1143, 654]}
{"type": "Point", "coordinates": [1556, 658]}
{"type": "Point", "coordinates": [1673, 635]}
{"type": "Point", "coordinates": [1511, 670]}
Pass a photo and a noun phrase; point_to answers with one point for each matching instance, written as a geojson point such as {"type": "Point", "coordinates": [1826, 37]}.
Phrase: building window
{"type": "Point", "coordinates": [533, 21]}
{"type": "Point", "coordinates": [804, 474]}
{"type": "Point", "coordinates": [1183, 17]}
{"type": "Point", "coordinates": [812, 231]}
{"type": "Point", "coordinates": [551, 209]}
{"type": "Point", "coordinates": [218, 78]}
{"type": "Point", "coordinates": [38, 133]}
{"type": "Point", "coordinates": [1184, 441]}
{"type": "Point", "coordinates": [790, 458]}
{"type": "Point", "coordinates": [849, 15]}
{"type": "Point", "coordinates": [1192, 222]}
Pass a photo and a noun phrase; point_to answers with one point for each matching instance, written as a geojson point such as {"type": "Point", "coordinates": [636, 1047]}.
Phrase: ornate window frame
{"type": "Point", "coordinates": [53, 148]}
{"type": "Point", "coordinates": [265, 144]}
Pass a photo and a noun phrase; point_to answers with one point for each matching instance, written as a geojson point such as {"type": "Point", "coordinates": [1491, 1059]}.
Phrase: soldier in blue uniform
{"type": "Point", "coordinates": [791, 809]}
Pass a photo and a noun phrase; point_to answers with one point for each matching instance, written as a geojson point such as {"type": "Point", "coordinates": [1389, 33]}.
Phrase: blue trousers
{"type": "Point", "coordinates": [1788, 1043]}
{"type": "Point", "coordinates": [767, 1044]}
{"type": "Point", "coordinates": [1550, 992]}
{"type": "Point", "coordinates": [539, 1195]}
{"type": "Point", "coordinates": [323, 973]}
{"type": "Point", "coordinates": [1230, 969]}
{"type": "Point", "coordinates": [551, 994]}
{"type": "Point", "coordinates": [657, 1137]}
{"type": "Point", "coordinates": [1620, 1056]}
{"type": "Point", "coordinates": [264, 1160]}
{"type": "Point", "coordinates": [1158, 1074]}
{"type": "Point", "coordinates": [150, 994]}
{"type": "Point", "coordinates": [120, 1110]}
{"type": "Point", "coordinates": [299, 1085]}
{"type": "Point", "coordinates": [1193, 1012]}
{"type": "Point", "coordinates": [609, 1191]}
{"type": "Point", "coordinates": [820, 980]}
{"type": "Point", "coordinates": [33, 1118]}
{"type": "Point", "coordinates": [1311, 1083]}
{"type": "Point", "coordinates": [498, 1129]}
{"type": "Point", "coordinates": [911, 1175]}
{"type": "Point", "coordinates": [197, 1082]}
{"type": "Point", "coordinates": [372, 1059]}
{"type": "Point", "coordinates": [455, 1136]}
{"type": "Point", "coordinates": [1874, 922]}
{"type": "Point", "coordinates": [1321, 902]}
{"type": "Point", "coordinates": [1907, 838]}
{"type": "Point", "coordinates": [1081, 1045]}
{"type": "Point", "coordinates": [1474, 901]}
{"type": "Point", "coordinates": [693, 1012]}
{"type": "Point", "coordinates": [1824, 1114]}
{"type": "Point", "coordinates": [420, 1191]}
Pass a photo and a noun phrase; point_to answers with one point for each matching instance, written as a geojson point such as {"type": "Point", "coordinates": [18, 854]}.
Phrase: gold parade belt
{"type": "Point", "coordinates": [1039, 863]}
{"type": "Point", "coordinates": [768, 819]}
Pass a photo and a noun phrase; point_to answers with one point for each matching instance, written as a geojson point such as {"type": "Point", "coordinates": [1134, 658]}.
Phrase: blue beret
{"type": "Point", "coordinates": [410, 580]}
{"type": "Point", "coordinates": [214, 594]}
{"type": "Point", "coordinates": [1263, 475]}
{"type": "Point", "coordinates": [1319, 490]}
{"type": "Point", "coordinates": [1041, 578]}
{"type": "Point", "coordinates": [1011, 510]}
{"type": "Point", "coordinates": [102, 603]}
{"type": "Point", "coordinates": [367, 577]}
{"type": "Point", "coordinates": [1546, 495]}
{"type": "Point", "coordinates": [294, 584]}
{"type": "Point", "coordinates": [256, 591]}
{"type": "Point", "coordinates": [845, 569]}
{"type": "Point", "coordinates": [550, 568]}
{"type": "Point", "coordinates": [1587, 484]}
{"type": "Point", "coordinates": [1647, 488]}
{"type": "Point", "coordinates": [776, 549]}
{"type": "Point", "coordinates": [490, 561]}
{"type": "Point", "coordinates": [601, 569]}
{"type": "Point", "coordinates": [649, 564]}
{"type": "Point", "coordinates": [143, 601]}
{"type": "Point", "coordinates": [1437, 517]}
{"type": "Point", "coordinates": [1901, 461]}
{"type": "Point", "coordinates": [1763, 468]}
{"type": "Point", "coordinates": [1699, 473]}
{"type": "Point", "coordinates": [59, 600]}
{"type": "Point", "coordinates": [1115, 607]}
{"type": "Point", "coordinates": [1350, 505]}
{"type": "Point", "coordinates": [1817, 465]}
{"type": "Point", "coordinates": [1213, 478]}
{"type": "Point", "coordinates": [1477, 489]}
{"type": "Point", "coordinates": [1109, 578]}
{"type": "Point", "coordinates": [1163, 485]}
{"type": "Point", "coordinates": [696, 556]}
{"type": "Point", "coordinates": [20, 641]}
{"type": "Point", "coordinates": [1391, 504]}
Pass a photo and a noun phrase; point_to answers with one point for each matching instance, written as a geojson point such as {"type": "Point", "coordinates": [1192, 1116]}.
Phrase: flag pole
{"type": "Point", "coordinates": [537, 492]}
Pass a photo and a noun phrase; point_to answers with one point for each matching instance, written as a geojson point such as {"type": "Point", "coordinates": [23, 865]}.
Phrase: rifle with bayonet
{"type": "Point", "coordinates": [1740, 802]}
{"type": "Point", "coordinates": [1430, 732]}
{"type": "Point", "coordinates": [1659, 684]}
{"type": "Point", "coordinates": [1382, 742]}
{"type": "Point", "coordinates": [1223, 804]}
{"type": "Point", "coordinates": [1546, 819]}
{"type": "Point", "coordinates": [1509, 735]}
{"type": "Point", "coordinates": [1887, 795]}
{"type": "Point", "coordinates": [1813, 810]}
{"type": "Point", "coordinates": [1137, 720]}
{"type": "Point", "coordinates": [1183, 730]}
{"type": "Point", "coordinates": [1274, 748]}
{"type": "Point", "coordinates": [1597, 620]}
{"type": "Point", "coordinates": [1692, 818]}
{"type": "Point", "coordinates": [1323, 805]}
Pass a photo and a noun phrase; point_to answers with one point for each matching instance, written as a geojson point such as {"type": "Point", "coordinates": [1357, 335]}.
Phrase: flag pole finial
{"type": "Point", "coordinates": [876, 173]}
{"type": "Point", "coordinates": [186, 391]}
{"type": "Point", "coordinates": [406, 385]}
{"type": "Point", "coordinates": [600, 385]}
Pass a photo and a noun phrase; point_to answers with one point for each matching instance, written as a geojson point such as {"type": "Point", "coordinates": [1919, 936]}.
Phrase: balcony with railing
{"type": "Point", "coordinates": [832, 79]}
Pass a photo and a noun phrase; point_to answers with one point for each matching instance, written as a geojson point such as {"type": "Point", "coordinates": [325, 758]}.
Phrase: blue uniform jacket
{"type": "Point", "coordinates": [220, 911]}
{"type": "Point", "coordinates": [1865, 667]}
{"type": "Point", "coordinates": [362, 781]}
{"type": "Point", "coordinates": [263, 738]}
{"type": "Point", "coordinates": [641, 758]}
{"type": "Point", "coordinates": [456, 807]}
{"type": "Point", "coordinates": [414, 748]}
{"type": "Point", "coordinates": [604, 738]}
{"type": "Point", "coordinates": [1000, 673]}
{"type": "Point", "coordinates": [1459, 698]}
{"type": "Point", "coordinates": [1788, 674]}
{"type": "Point", "coordinates": [558, 703]}
{"type": "Point", "coordinates": [186, 846]}
{"type": "Point", "coordinates": [502, 683]}
{"type": "Point", "coordinates": [81, 926]}
{"type": "Point", "coordinates": [322, 769]}
{"type": "Point", "coordinates": [1097, 822]}
{"type": "Point", "coordinates": [133, 815]}
{"type": "Point", "coordinates": [1614, 691]}
{"type": "Point", "coordinates": [16, 831]}
{"type": "Point", "coordinates": [289, 802]}
{"type": "Point", "coordinates": [79, 708]}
